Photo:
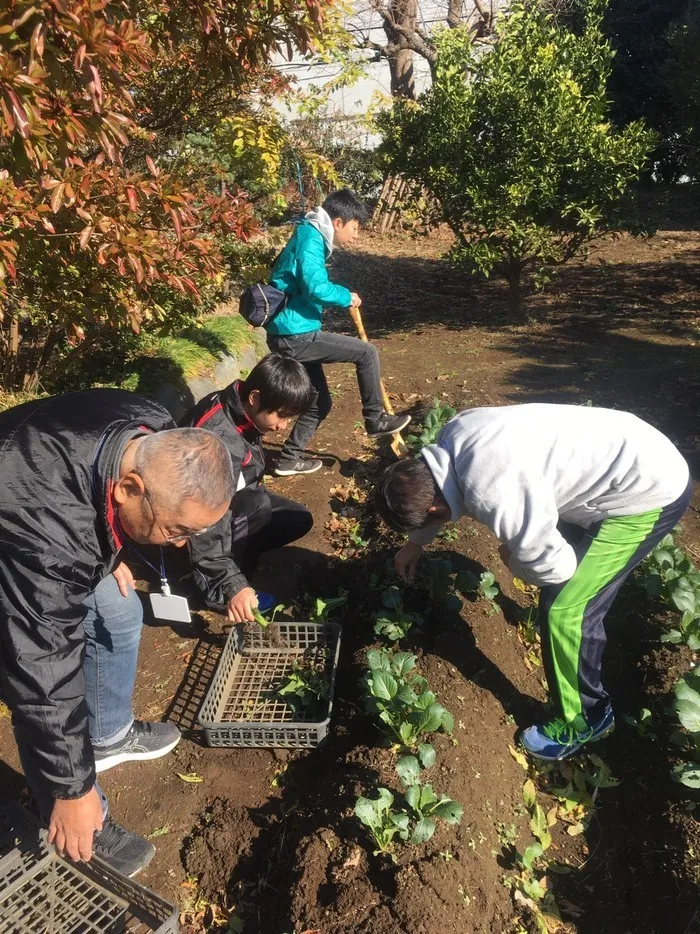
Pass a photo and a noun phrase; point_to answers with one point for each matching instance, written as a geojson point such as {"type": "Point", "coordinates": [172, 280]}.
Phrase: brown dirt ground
{"type": "Point", "coordinates": [271, 834]}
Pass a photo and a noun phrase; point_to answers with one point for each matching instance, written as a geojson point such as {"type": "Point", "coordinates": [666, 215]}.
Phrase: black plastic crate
{"type": "Point", "coordinates": [41, 893]}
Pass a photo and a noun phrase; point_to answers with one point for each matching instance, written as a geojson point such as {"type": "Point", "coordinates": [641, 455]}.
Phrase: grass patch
{"type": "Point", "coordinates": [9, 400]}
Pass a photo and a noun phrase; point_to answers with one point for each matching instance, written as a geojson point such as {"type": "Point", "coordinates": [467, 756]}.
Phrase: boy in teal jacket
{"type": "Point", "coordinates": [296, 332]}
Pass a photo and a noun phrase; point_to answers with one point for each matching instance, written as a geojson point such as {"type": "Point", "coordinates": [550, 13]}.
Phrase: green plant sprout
{"type": "Point", "coordinates": [324, 607]}
{"type": "Point", "coordinates": [400, 699]}
{"type": "Point", "coordinates": [423, 802]}
{"type": "Point", "coordinates": [483, 586]}
{"type": "Point", "coordinates": [395, 623]}
{"type": "Point", "coordinates": [669, 575]}
{"type": "Point", "coordinates": [641, 723]}
{"type": "Point", "coordinates": [305, 690]}
{"type": "Point", "coordinates": [265, 620]}
{"type": "Point", "coordinates": [381, 820]}
{"type": "Point", "coordinates": [435, 419]}
{"type": "Point", "coordinates": [441, 585]}
{"type": "Point", "coordinates": [687, 707]}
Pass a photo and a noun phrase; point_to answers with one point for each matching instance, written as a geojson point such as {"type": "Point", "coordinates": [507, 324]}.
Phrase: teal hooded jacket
{"type": "Point", "coordinates": [301, 272]}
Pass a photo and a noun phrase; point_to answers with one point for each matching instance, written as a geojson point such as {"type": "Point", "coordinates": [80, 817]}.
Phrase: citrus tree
{"type": "Point", "coordinates": [102, 220]}
{"type": "Point", "coordinates": [515, 144]}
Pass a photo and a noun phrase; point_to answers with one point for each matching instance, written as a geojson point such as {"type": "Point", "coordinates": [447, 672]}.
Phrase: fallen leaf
{"type": "Point", "coordinates": [574, 830]}
{"type": "Point", "coordinates": [519, 757]}
{"type": "Point", "coordinates": [191, 777]}
{"type": "Point", "coordinates": [353, 860]}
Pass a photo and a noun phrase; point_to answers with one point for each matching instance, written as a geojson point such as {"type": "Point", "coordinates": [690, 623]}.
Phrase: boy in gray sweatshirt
{"type": "Point", "coordinates": [578, 496]}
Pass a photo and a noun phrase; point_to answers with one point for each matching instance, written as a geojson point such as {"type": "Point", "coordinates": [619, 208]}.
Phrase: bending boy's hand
{"type": "Point", "coordinates": [406, 561]}
{"type": "Point", "coordinates": [241, 606]}
{"type": "Point", "coordinates": [356, 300]}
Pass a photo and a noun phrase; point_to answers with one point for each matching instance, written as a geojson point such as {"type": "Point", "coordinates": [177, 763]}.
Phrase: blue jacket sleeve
{"type": "Point", "coordinates": [313, 275]}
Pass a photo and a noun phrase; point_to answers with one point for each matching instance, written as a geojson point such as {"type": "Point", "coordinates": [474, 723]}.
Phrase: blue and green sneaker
{"type": "Point", "coordinates": [558, 740]}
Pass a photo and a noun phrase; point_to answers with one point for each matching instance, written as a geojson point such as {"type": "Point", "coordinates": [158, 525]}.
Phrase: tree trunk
{"type": "Point", "coordinates": [454, 13]}
{"type": "Point", "coordinates": [403, 83]}
{"type": "Point", "coordinates": [517, 313]}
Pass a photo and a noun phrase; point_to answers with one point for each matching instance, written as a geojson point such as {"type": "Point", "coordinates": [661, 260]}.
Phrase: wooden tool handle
{"type": "Point", "coordinates": [357, 321]}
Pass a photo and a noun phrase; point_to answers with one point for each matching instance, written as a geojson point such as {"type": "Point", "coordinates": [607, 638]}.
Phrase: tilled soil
{"type": "Point", "coordinates": [269, 835]}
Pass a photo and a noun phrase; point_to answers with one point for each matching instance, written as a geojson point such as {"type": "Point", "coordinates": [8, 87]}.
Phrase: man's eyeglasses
{"type": "Point", "coordinates": [172, 539]}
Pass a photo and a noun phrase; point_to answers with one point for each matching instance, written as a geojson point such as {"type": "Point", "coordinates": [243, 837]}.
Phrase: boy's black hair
{"type": "Point", "coordinates": [346, 205]}
{"type": "Point", "coordinates": [283, 384]}
{"type": "Point", "coordinates": [404, 494]}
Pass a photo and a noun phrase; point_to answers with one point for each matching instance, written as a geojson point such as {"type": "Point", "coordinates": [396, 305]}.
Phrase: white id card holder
{"type": "Point", "coordinates": [167, 606]}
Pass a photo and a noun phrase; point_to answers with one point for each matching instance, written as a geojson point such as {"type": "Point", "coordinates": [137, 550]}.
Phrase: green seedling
{"type": "Point", "coordinates": [441, 585]}
{"type": "Point", "coordinates": [669, 575]}
{"type": "Point", "coordinates": [642, 723]}
{"type": "Point", "coordinates": [324, 607]}
{"type": "Point", "coordinates": [687, 706]}
{"type": "Point", "coordinates": [400, 699]}
{"type": "Point", "coordinates": [483, 586]}
{"type": "Point", "coordinates": [423, 802]}
{"type": "Point", "coordinates": [395, 623]}
{"type": "Point", "coordinates": [305, 691]}
{"type": "Point", "coordinates": [381, 820]}
{"type": "Point", "coordinates": [265, 621]}
{"type": "Point", "coordinates": [435, 419]}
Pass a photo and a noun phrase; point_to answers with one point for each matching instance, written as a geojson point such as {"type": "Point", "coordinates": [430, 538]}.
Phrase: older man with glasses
{"type": "Point", "coordinates": [84, 474]}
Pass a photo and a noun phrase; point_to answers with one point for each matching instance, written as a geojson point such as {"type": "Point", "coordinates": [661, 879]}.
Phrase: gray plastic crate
{"type": "Point", "coordinates": [240, 709]}
{"type": "Point", "coordinates": [41, 893]}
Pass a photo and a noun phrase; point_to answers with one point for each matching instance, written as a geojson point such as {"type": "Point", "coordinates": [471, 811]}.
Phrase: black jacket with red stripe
{"type": "Point", "coordinates": [215, 571]}
{"type": "Point", "coordinates": [59, 537]}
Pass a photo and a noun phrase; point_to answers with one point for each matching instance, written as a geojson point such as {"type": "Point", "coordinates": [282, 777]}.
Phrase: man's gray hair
{"type": "Point", "coordinates": [186, 463]}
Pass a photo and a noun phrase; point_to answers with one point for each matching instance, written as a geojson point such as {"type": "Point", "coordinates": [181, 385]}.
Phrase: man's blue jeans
{"type": "Point", "coordinates": [113, 626]}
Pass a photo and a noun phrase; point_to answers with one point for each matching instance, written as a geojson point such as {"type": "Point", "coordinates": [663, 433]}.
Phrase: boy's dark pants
{"type": "Point", "coordinates": [262, 521]}
{"type": "Point", "coordinates": [313, 350]}
{"type": "Point", "coordinates": [572, 614]}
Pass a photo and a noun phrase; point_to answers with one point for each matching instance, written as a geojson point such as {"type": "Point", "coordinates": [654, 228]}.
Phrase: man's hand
{"type": "Point", "coordinates": [124, 578]}
{"type": "Point", "coordinates": [406, 561]}
{"type": "Point", "coordinates": [356, 300]}
{"type": "Point", "coordinates": [241, 606]}
{"type": "Point", "coordinates": [73, 824]}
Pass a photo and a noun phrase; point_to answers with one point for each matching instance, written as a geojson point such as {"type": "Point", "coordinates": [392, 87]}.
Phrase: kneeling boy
{"type": "Point", "coordinates": [579, 496]}
{"type": "Point", "coordinates": [224, 558]}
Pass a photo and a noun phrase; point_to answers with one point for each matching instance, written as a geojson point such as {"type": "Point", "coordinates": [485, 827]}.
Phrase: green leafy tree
{"type": "Point", "coordinates": [640, 33]}
{"type": "Point", "coordinates": [681, 76]}
{"type": "Point", "coordinates": [516, 147]}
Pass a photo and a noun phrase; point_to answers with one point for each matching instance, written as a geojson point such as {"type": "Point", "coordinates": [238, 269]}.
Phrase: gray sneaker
{"type": "Point", "coordinates": [290, 468]}
{"type": "Point", "coordinates": [123, 850]}
{"type": "Point", "coordinates": [386, 424]}
{"type": "Point", "coordinates": [143, 741]}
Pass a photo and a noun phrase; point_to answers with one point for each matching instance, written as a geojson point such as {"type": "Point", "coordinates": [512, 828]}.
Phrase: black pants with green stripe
{"type": "Point", "coordinates": [572, 614]}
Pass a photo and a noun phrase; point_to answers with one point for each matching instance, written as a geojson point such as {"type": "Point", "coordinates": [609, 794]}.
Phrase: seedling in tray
{"type": "Point", "coordinates": [400, 699]}
{"type": "Point", "coordinates": [265, 621]}
{"type": "Point", "coordinates": [305, 690]}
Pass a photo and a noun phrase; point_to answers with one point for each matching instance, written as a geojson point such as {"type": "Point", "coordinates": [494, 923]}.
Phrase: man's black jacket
{"type": "Point", "coordinates": [59, 536]}
{"type": "Point", "coordinates": [216, 573]}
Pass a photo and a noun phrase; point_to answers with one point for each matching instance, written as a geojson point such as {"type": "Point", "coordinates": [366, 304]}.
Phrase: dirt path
{"type": "Point", "coordinates": [270, 836]}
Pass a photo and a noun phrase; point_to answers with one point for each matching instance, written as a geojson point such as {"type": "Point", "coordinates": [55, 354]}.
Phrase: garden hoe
{"type": "Point", "coordinates": [398, 445]}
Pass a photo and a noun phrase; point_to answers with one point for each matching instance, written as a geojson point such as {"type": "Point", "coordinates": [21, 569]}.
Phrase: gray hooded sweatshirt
{"type": "Point", "coordinates": [519, 469]}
